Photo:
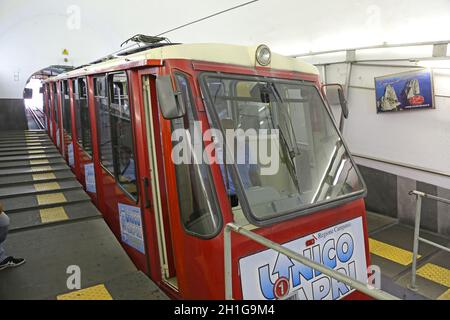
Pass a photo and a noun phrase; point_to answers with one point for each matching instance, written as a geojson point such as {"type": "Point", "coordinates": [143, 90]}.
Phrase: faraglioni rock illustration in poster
{"type": "Point", "coordinates": [405, 91]}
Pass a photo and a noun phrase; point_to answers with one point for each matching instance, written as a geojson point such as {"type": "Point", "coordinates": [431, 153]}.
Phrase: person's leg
{"type": "Point", "coordinates": [5, 260]}
{"type": "Point", "coordinates": [4, 225]}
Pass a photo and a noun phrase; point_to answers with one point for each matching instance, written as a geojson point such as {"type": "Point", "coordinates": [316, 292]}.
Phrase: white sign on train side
{"type": "Point", "coordinates": [268, 275]}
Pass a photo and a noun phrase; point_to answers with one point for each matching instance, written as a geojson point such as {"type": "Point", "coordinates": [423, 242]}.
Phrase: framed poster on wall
{"type": "Point", "coordinates": [409, 90]}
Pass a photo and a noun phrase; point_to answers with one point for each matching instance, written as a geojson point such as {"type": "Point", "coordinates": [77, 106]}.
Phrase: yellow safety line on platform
{"type": "Point", "coordinates": [93, 293]}
{"type": "Point", "coordinates": [47, 186]}
{"type": "Point", "coordinates": [435, 273]}
{"type": "Point", "coordinates": [51, 198]}
{"type": "Point", "coordinates": [390, 252]}
{"type": "Point", "coordinates": [43, 176]}
{"type": "Point", "coordinates": [53, 214]}
{"type": "Point", "coordinates": [35, 151]}
{"type": "Point", "coordinates": [42, 168]}
{"type": "Point", "coordinates": [445, 295]}
{"type": "Point", "coordinates": [40, 156]}
{"type": "Point", "coordinates": [35, 162]}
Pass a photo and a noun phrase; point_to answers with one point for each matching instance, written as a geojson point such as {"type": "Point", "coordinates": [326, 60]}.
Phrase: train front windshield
{"type": "Point", "coordinates": [306, 164]}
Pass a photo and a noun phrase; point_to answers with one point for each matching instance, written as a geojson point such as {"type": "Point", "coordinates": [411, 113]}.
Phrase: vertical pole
{"type": "Point", "coordinates": [416, 241]}
{"type": "Point", "coordinates": [227, 261]}
{"type": "Point", "coordinates": [347, 90]}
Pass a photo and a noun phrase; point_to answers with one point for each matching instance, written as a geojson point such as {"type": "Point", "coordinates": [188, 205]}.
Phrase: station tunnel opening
{"type": "Point", "coordinates": [33, 95]}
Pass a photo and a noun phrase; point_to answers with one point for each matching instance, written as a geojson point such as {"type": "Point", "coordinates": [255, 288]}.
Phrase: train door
{"type": "Point", "coordinates": [59, 118]}
{"type": "Point", "coordinates": [71, 113]}
{"type": "Point", "coordinates": [66, 119]}
{"type": "Point", "coordinates": [53, 111]}
{"type": "Point", "coordinates": [83, 134]}
{"type": "Point", "coordinates": [189, 220]}
{"type": "Point", "coordinates": [120, 168]}
{"type": "Point", "coordinates": [47, 107]}
{"type": "Point", "coordinates": [56, 116]}
{"type": "Point", "coordinates": [163, 232]}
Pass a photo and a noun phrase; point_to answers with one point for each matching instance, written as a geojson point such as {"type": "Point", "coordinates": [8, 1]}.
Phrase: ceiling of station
{"type": "Point", "coordinates": [33, 36]}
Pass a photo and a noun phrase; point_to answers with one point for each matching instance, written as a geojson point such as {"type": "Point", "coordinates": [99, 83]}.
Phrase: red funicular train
{"type": "Point", "coordinates": [118, 123]}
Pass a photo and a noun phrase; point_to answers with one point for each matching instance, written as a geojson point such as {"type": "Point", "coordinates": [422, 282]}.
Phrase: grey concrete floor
{"type": "Point", "coordinates": [79, 237]}
{"type": "Point", "coordinates": [396, 277]}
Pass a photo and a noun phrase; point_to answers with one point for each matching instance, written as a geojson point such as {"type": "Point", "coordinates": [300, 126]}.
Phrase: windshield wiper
{"type": "Point", "coordinates": [294, 150]}
{"type": "Point", "coordinates": [289, 156]}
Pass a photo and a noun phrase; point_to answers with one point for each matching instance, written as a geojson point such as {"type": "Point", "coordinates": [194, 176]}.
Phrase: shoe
{"type": "Point", "coordinates": [11, 262]}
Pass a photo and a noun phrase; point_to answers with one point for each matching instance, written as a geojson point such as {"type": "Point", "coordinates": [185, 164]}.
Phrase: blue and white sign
{"type": "Point", "coordinates": [268, 275]}
{"type": "Point", "coordinates": [89, 175]}
{"type": "Point", "coordinates": [70, 155]}
{"type": "Point", "coordinates": [131, 227]}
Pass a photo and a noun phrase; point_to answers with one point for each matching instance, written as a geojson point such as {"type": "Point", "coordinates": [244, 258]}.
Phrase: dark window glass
{"type": "Point", "coordinates": [103, 123]}
{"type": "Point", "coordinates": [82, 118]}
{"type": "Point", "coordinates": [48, 106]}
{"type": "Point", "coordinates": [67, 117]}
{"type": "Point", "coordinates": [55, 103]}
{"type": "Point", "coordinates": [122, 133]}
{"type": "Point", "coordinates": [76, 99]}
{"type": "Point", "coordinates": [198, 204]}
{"type": "Point", "coordinates": [85, 117]}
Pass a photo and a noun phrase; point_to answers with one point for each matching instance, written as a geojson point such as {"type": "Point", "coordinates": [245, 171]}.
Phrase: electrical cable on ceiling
{"type": "Point", "coordinates": [207, 17]}
{"type": "Point", "coordinates": [140, 37]}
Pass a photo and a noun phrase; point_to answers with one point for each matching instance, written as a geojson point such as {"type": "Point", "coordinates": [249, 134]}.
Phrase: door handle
{"type": "Point", "coordinates": [146, 192]}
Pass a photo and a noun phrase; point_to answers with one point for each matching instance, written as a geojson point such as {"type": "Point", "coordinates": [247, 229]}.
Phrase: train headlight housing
{"type": "Point", "coordinates": [263, 55]}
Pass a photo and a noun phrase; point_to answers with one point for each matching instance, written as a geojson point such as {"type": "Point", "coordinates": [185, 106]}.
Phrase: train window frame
{"type": "Point", "coordinates": [55, 103]}
{"type": "Point", "coordinates": [246, 207]}
{"type": "Point", "coordinates": [48, 101]}
{"type": "Point", "coordinates": [65, 87]}
{"type": "Point", "coordinates": [77, 120]}
{"type": "Point", "coordinates": [131, 197]}
{"type": "Point", "coordinates": [85, 126]}
{"type": "Point", "coordinates": [213, 196]}
{"type": "Point", "coordinates": [104, 167]}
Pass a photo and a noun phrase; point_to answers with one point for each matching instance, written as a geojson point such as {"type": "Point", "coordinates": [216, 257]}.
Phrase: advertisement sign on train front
{"type": "Point", "coordinates": [271, 275]}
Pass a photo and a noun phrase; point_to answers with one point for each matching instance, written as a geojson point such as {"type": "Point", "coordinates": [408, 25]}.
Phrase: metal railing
{"type": "Point", "coordinates": [358, 285]}
{"type": "Point", "coordinates": [419, 195]}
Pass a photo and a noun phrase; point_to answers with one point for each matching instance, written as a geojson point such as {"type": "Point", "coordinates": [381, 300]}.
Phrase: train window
{"type": "Point", "coordinates": [76, 99]}
{"type": "Point", "coordinates": [55, 103]}
{"type": "Point", "coordinates": [48, 106]}
{"type": "Point", "coordinates": [103, 123]}
{"type": "Point", "coordinates": [198, 204]}
{"type": "Point", "coordinates": [304, 163]}
{"type": "Point", "coordinates": [122, 133]}
{"type": "Point", "coordinates": [82, 118]}
{"type": "Point", "coordinates": [67, 117]}
{"type": "Point", "coordinates": [85, 117]}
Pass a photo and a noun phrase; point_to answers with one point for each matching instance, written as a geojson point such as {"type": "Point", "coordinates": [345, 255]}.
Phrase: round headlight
{"type": "Point", "coordinates": [263, 55]}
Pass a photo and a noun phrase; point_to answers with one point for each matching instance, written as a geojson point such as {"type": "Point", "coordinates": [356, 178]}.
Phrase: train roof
{"type": "Point", "coordinates": [216, 53]}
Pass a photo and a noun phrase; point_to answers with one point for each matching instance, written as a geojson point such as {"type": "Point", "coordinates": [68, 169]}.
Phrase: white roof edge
{"type": "Point", "coordinates": [216, 53]}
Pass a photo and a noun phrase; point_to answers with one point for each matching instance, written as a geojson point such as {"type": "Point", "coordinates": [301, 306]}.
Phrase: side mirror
{"type": "Point", "coordinates": [171, 103]}
{"type": "Point", "coordinates": [334, 95]}
{"type": "Point", "coordinates": [27, 93]}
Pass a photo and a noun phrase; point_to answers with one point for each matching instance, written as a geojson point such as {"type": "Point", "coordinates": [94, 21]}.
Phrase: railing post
{"type": "Point", "coordinates": [416, 241]}
{"type": "Point", "coordinates": [228, 264]}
